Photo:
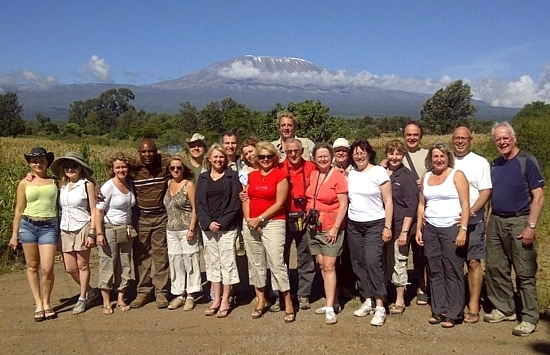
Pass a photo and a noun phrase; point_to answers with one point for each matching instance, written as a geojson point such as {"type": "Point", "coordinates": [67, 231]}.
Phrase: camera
{"type": "Point", "coordinates": [300, 200]}
{"type": "Point", "coordinates": [313, 218]}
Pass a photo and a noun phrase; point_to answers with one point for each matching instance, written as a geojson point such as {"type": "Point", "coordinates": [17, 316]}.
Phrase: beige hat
{"type": "Point", "coordinates": [57, 166]}
{"type": "Point", "coordinates": [340, 142]}
{"type": "Point", "coordinates": [196, 137]}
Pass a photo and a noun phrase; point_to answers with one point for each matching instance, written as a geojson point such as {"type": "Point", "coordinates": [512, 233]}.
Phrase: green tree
{"type": "Point", "coordinates": [447, 108]}
{"type": "Point", "coordinates": [11, 123]}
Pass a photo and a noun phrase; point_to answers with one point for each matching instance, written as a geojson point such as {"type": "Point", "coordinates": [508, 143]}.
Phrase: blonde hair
{"type": "Point", "coordinates": [219, 148]}
{"type": "Point", "coordinates": [286, 114]}
{"type": "Point", "coordinates": [395, 145]}
{"type": "Point", "coordinates": [131, 162]}
{"type": "Point", "coordinates": [270, 148]}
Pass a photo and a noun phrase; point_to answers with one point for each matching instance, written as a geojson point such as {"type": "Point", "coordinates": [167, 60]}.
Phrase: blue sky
{"type": "Point", "coordinates": [501, 48]}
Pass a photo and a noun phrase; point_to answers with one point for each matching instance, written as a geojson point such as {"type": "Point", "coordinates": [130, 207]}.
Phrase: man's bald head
{"type": "Point", "coordinates": [147, 151]}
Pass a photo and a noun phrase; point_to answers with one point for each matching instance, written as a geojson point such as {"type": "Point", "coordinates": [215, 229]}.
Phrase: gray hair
{"type": "Point", "coordinates": [294, 140]}
{"type": "Point", "coordinates": [502, 124]}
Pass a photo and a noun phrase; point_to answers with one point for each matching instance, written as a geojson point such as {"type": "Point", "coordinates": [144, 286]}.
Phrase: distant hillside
{"type": "Point", "coordinates": [257, 82]}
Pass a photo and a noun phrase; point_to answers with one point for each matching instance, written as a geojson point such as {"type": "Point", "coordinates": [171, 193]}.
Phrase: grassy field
{"type": "Point", "coordinates": [13, 168]}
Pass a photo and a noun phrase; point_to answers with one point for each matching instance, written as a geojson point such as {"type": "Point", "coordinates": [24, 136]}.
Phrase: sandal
{"type": "Point", "coordinates": [289, 317]}
{"type": "Point", "coordinates": [39, 316]}
{"type": "Point", "coordinates": [397, 309]}
{"type": "Point", "coordinates": [49, 314]}
{"type": "Point", "coordinates": [421, 299]}
{"type": "Point", "coordinates": [448, 323]}
{"type": "Point", "coordinates": [471, 318]}
{"type": "Point", "coordinates": [436, 319]}
{"type": "Point", "coordinates": [258, 312]}
{"type": "Point", "coordinates": [211, 311]}
{"type": "Point", "coordinates": [222, 313]}
{"type": "Point", "coordinates": [107, 310]}
{"type": "Point", "coordinates": [123, 307]}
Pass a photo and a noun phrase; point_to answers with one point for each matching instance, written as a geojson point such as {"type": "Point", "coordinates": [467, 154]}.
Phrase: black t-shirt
{"type": "Point", "coordinates": [214, 197]}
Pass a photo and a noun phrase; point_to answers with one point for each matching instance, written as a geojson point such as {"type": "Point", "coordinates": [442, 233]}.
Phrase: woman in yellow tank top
{"type": "Point", "coordinates": [36, 227]}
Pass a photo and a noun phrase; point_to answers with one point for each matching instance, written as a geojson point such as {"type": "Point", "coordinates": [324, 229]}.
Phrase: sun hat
{"type": "Point", "coordinates": [39, 152]}
{"type": "Point", "coordinates": [341, 143]}
{"type": "Point", "coordinates": [57, 165]}
{"type": "Point", "coordinates": [196, 137]}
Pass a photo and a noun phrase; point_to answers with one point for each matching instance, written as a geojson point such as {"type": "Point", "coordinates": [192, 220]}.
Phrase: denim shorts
{"type": "Point", "coordinates": [41, 235]}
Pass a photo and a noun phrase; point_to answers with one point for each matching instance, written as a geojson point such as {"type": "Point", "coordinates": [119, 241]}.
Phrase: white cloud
{"type": "Point", "coordinates": [98, 69]}
{"type": "Point", "coordinates": [27, 78]}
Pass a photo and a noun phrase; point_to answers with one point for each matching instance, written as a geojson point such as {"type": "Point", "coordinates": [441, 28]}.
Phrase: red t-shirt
{"type": "Point", "coordinates": [326, 201]}
{"type": "Point", "coordinates": [297, 186]}
{"type": "Point", "coordinates": [262, 192]}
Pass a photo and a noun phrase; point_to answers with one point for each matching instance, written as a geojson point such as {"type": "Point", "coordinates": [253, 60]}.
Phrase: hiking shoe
{"type": "Point", "coordinates": [92, 296]}
{"type": "Point", "coordinates": [524, 329]}
{"type": "Point", "coordinates": [189, 304]}
{"type": "Point", "coordinates": [364, 309]}
{"type": "Point", "coordinates": [176, 303]}
{"type": "Point", "coordinates": [304, 302]}
{"type": "Point", "coordinates": [497, 316]}
{"type": "Point", "coordinates": [330, 317]}
{"type": "Point", "coordinates": [161, 301]}
{"type": "Point", "coordinates": [275, 307]}
{"type": "Point", "coordinates": [322, 310]}
{"type": "Point", "coordinates": [379, 317]}
{"type": "Point", "coordinates": [80, 306]}
{"type": "Point", "coordinates": [141, 300]}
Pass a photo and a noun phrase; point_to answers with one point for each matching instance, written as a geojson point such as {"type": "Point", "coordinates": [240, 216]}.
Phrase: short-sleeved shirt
{"type": "Point", "coordinates": [325, 193]}
{"type": "Point", "coordinates": [116, 204]}
{"type": "Point", "coordinates": [262, 192]}
{"type": "Point", "coordinates": [150, 184]}
{"type": "Point", "coordinates": [365, 198]}
{"type": "Point", "coordinates": [74, 203]}
{"type": "Point", "coordinates": [299, 180]}
{"type": "Point", "coordinates": [478, 172]}
{"type": "Point", "coordinates": [509, 194]}
{"type": "Point", "coordinates": [418, 159]}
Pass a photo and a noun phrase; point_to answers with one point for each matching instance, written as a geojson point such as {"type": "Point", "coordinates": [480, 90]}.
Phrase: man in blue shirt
{"type": "Point", "coordinates": [516, 204]}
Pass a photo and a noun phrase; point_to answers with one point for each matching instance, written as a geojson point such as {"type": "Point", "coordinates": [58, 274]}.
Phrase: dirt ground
{"type": "Point", "coordinates": [149, 330]}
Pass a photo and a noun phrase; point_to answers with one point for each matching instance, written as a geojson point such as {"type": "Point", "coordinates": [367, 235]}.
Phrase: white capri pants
{"type": "Point", "coordinates": [219, 257]}
{"type": "Point", "coordinates": [266, 251]}
{"type": "Point", "coordinates": [183, 259]}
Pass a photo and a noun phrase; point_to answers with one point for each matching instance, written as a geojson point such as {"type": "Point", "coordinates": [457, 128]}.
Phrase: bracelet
{"type": "Point", "coordinates": [464, 228]}
{"type": "Point", "coordinates": [404, 231]}
{"type": "Point", "coordinates": [262, 219]}
{"type": "Point", "coordinates": [388, 228]}
{"type": "Point", "coordinates": [92, 236]}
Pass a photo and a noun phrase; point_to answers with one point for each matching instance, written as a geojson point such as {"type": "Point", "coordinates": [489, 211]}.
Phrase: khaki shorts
{"type": "Point", "coordinates": [318, 243]}
{"type": "Point", "coordinates": [75, 241]}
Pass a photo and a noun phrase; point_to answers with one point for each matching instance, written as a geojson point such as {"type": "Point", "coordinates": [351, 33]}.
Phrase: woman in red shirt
{"type": "Point", "coordinates": [264, 237]}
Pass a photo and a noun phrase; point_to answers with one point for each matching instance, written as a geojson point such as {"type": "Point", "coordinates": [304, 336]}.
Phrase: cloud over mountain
{"type": "Point", "coordinates": [98, 69]}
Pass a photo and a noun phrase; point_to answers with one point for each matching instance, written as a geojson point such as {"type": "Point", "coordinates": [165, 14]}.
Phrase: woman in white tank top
{"type": "Point", "coordinates": [444, 200]}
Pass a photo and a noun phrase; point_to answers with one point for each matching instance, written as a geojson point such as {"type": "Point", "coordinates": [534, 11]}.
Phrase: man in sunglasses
{"type": "Point", "coordinates": [150, 249]}
{"type": "Point", "coordinates": [299, 171]}
{"type": "Point", "coordinates": [287, 129]}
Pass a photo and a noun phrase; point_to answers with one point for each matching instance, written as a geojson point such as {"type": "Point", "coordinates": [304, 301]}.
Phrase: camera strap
{"type": "Point", "coordinates": [318, 186]}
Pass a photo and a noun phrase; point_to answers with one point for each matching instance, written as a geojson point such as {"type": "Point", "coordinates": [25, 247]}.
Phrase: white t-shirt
{"type": "Point", "coordinates": [365, 199]}
{"type": "Point", "coordinates": [478, 172]}
{"type": "Point", "coordinates": [74, 206]}
{"type": "Point", "coordinates": [442, 202]}
{"type": "Point", "coordinates": [116, 204]}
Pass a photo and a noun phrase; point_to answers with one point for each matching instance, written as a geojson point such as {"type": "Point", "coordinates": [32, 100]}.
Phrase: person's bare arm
{"type": "Point", "coordinates": [385, 190]}
{"type": "Point", "coordinates": [528, 235]}
{"type": "Point", "coordinates": [332, 234]}
{"type": "Point", "coordinates": [191, 190]}
{"type": "Point", "coordinates": [91, 237]}
{"type": "Point", "coordinates": [463, 190]}
{"type": "Point", "coordinates": [420, 215]}
{"type": "Point", "coordinates": [20, 204]}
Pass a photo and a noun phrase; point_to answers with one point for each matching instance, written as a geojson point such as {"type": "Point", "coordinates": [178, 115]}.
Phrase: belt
{"type": "Point", "coordinates": [508, 215]}
{"type": "Point", "coordinates": [40, 222]}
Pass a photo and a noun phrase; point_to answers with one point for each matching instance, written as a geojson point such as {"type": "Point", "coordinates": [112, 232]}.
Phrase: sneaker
{"type": "Point", "coordinates": [189, 304]}
{"type": "Point", "coordinates": [379, 317]}
{"type": "Point", "coordinates": [80, 306]}
{"type": "Point", "coordinates": [330, 317]}
{"type": "Point", "coordinates": [92, 296]}
{"type": "Point", "coordinates": [176, 303]}
{"type": "Point", "coordinates": [322, 310]}
{"type": "Point", "coordinates": [364, 309]}
{"type": "Point", "coordinates": [304, 303]}
{"type": "Point", "coordinates": [275, 307]}
{"type": "Point", "coordinates": [497, 316]}
{"type": "Point", "coordinates": [141, 300]}
{"type": "Point", "coordinates": [524, 329]}
{"type": "Point", "coordinates": [161, 301]}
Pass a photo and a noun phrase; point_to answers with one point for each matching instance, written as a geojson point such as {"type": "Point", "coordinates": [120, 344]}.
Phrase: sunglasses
{"type": "Point", "coordinates": [263, 157]}
{"type": "Point", "coordinates": [71, 166]}
{"type": "Point", "coordinates": [295, 151]}
{"type": "Point", "coordinates": [178, 168]}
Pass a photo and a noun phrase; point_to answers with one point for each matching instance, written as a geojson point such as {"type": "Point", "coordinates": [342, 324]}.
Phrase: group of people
{"type": "Point", "coordinates": [353, 217]}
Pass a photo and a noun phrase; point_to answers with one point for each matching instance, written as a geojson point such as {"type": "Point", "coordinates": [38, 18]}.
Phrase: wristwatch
{"type": "Point", "coordinates": [473, 214]}
{"type": "Point", "coordinates": [464, 228]}
{"type": "Point", "coordinates": [532, 225]}
{"type": "Point", "coordinates": [262, 219]}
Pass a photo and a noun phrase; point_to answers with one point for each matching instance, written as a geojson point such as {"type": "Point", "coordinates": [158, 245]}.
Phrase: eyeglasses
{"type": "Point", "coordinates": [71, 166]}
{"type": "Point", "coordinates": [359, 155]}
{"type": "Point", "coordinates": [295, 151]}
{"type": "Point", "coordinates": [178, 168]}
{"type": "Point", "coordinates": [461, 138]}
{"type": "Point", "coordinates": [264, 157]}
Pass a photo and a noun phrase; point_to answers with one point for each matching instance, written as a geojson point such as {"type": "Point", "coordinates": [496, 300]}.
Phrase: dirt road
{"type": "Point", "coordinates": [151, 331]}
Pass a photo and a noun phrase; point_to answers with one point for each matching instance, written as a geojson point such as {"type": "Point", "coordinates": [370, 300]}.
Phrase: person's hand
{"type": "Point", "coordinates": [254, 223]}
{"type": "Point", "coordinates": [29, 177]}
{"type": "Point", "coordinates": [90, 242]}
{"type": "Point", "coordinates": [527, 237]}
{"type": "Point", "coordinates": [419, 239]}
{"type": "Point", "coordinates": [99, 196]}
{"type": "Point", "coordinates": [384, 163]}
{"type": "Point", "coordinates": [418, 182]}
{"type": "Point", "coordinates": [190, 235]}
{"type": "Point", "coordinates": [101, 241]}
{"type": "Point", "coordinates": [14, 242]}
{"type": "Point", "coordinates": [214, 226]}
{"type": "Point", "coordinates": [402, 240]}
{"type": "Point", "coordinates": [243, 196]}
{"type": "Point", "coordinates": [332, 236]}
{"type": "Point", "coordinates": [386, 235]}
{"type": "Point", "coordinates": [461, 238]}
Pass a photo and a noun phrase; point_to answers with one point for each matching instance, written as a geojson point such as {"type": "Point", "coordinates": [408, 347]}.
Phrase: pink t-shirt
{"type": "Point", "coordinates": [326, 201]}
{"type": "Point", "coordinates": [262, 192]}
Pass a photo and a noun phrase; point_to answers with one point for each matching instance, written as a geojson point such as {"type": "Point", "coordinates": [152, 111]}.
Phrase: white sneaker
{"type": "Point", "coordinates": [364, 309]}
{"type": "Point", "coordinates": [322, 310]}
{"type": "Point", "coordinates": [524, 329]}
{"type": "Point", "coordinates": [330, 317]}
{"type": "Point", "coordinates": [379, 317]}
{"type": "Point", "coordinates": [497, 316]}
